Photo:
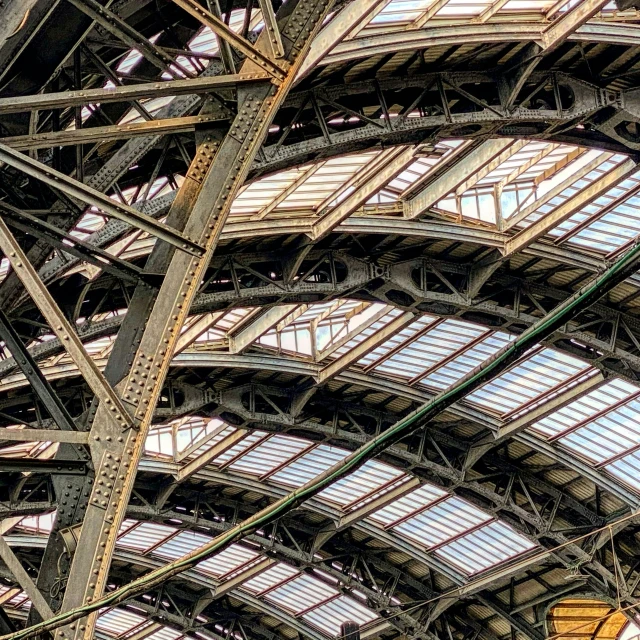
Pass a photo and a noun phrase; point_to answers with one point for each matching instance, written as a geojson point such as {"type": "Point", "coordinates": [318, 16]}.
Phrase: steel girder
{"type": "Point", "coordinates": [506, 300]}
{"type": "Point", "coordinates": [479, 113]}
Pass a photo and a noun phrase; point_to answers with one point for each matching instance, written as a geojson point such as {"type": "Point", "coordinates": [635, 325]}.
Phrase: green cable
{"type": "Point", "coordinates": [612, 276]}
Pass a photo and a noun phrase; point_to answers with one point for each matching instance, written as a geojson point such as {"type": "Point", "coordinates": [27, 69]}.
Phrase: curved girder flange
{"type": "Point", "coordinates": [430, 123]}
{"type": "Point", "coordinates": [308, 559]}
{"type": "Point", "coordinates": [399, 284]}
{"type": "Point", "coordinates": [389, 538]}
{"type": "Point", "coordinates": [351, 377]}
{"type": "Point", "coordinates": [344, 581]}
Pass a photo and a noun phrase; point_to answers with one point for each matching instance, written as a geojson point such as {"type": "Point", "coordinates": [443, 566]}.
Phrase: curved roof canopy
{"type": "Point", "coordinates": [242, 242]}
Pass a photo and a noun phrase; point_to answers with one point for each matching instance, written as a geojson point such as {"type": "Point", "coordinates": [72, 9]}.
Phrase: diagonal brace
{"type": "Point", "coordinates": [36, 379]}
{"type": "Point", "coordinates": [69, 244]}
{"type": "Point", "coordinates": [95, 198]}
{"type": "Point", "coordinates": [22, 577]}
{"type": "Point", "coordinates": [62, 327]}
{"type": "Point", "coordinates": [241, 44]}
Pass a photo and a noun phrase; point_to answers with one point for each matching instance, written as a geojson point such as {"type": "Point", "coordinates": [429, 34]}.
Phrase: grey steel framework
{"type": "Point", "coordinates": [241, 242]}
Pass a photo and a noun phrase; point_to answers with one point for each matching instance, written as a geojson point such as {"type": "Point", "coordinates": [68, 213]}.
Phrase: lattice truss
{"type": "Point", "coordinates": [241, 242]}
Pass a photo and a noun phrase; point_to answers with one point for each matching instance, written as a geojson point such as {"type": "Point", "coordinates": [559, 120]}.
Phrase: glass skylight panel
{"type": "Point", "coordinates": [612, 229]}
{"type": "Point", "coordinates": [468, 359]}
{"type": "Point", "coordinates": [406, 505]}
{"type": "Point", "coordinates": [145, 536]}
{"type": "Point", "coordinates": [269, 455]}
{"type": "Point", "coordinates": [366, 332]}
{"type": "Point", "coordinates": [38, 524]}
{"type": "Point", "coordinates": [397, 339]}
{"type": "Point", "coordinates": [462, 8]}
{"type": "Point", "coordinates": [127, 523]}
{"type": "Point", "coordinates": [227, 561]}
{"type": "Point", "coordinates": [214, 440]}
{"type": "Point", "coordinates": [120, 621]}
{"type": "Point", "coordinates": [537, 374]}
{"type": "Point", "coordinates": [309, 465]}
{"type": "Point", "coordinates": [442, 522]}
{"type": "Point", "coordinates": [301, 593]}
{"type": "Point", "coordinates": [166, 633]}
{"type": "Point", "coordinates": [192, 428]}
{"type": "Point", "coordinates": [249, 440]}
{"type": "Point", "coordinates": [222, 563]}
{"type": "Point", "coordinates": [485, 547]}
{"type": "Point", "coordinates": [370, 477]}
{"type": "Point", "coordinates": [181, 544]}
{"type": "Point", "coordinates": [414, 172]}
{"type": "Point", "coordinates": [270, 578]}
{"type": "Point", "coordinates": [159, 441]}
{"type": "Point", "coordinates": [429, 349]}
{"type": "Point", "coordinates": [624, 215]}
{"type": "Point", "coordinates": [627, 469]}
{"type": "Point", "coordinates": [329, 616]}
{"type": "Point", "coordinates": [609, 435]}
{"type": "Point", "coordinates": [337, 326]}
{"type": "Point", "coordinates": [401, 11]}
{"type": "Point", "coordinates": [20, 601]}
{"type": "Point", "coordinates": [585, 407]}
{"type": "Point", "coordinates": [259, 194]}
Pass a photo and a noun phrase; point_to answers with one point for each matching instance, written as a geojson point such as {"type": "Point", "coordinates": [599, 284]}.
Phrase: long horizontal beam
{"type": "Point", "coordinates": [88, 135]}
{"type": "Point", "coordinates": [37, 465]}
{"type": "Point", "coordinates": [43, 435]}
{"type": "Point", "coordinates": [93, 197]}
{"type": "Point", "coordinates": [126, 93]}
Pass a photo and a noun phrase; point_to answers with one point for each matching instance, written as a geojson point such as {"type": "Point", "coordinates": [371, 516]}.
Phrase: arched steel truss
{"type": "Point", "coordinates": [486, 104]}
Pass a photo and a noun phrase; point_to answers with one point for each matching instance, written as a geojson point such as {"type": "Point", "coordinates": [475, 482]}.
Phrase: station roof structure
{"type": "Point", "coordinates": [241, 243]}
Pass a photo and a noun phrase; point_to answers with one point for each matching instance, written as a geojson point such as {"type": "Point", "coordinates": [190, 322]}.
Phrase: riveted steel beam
{"type": "Point", "coordinates": [24, 580]}
{"type": "Point", "coordinates": [169, 126]}
{"type": "Point", "coordinates": [43, 435]}
{"type": "Point", "coordinates": [253, 54]}
{"type": "Point", "coordinates": [188, 86]}
{"type": "Point", "coordinates": [93, 197]}
{"type": "Point", "coordinates": [70, 244]}
{"type": "Point", "coordinates": [36, 379]}
{"type": "Point", "coordinates": [113, 23]}
{"type": "Point", "coordinates": [61, 327]}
